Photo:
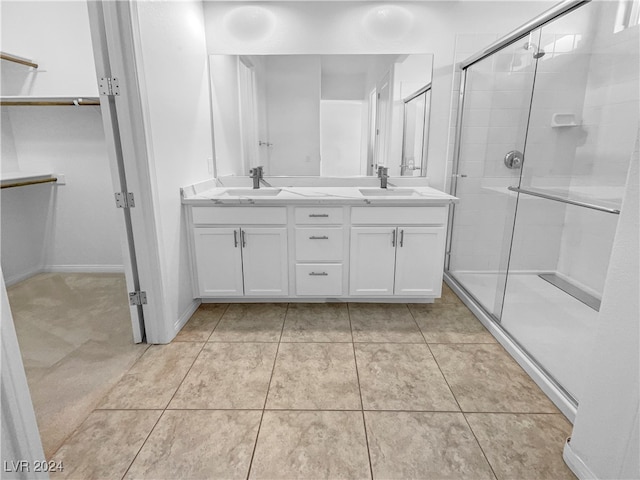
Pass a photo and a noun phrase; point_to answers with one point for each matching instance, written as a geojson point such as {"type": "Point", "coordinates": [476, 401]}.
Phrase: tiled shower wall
{"type": "Point", "coordinates": [594, 76]}
{"type": "Point", "coordinates": [610, 120]}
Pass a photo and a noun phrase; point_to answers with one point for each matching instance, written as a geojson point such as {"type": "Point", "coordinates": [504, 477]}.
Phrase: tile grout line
{"type": "Point", "coordinates": [456, 399]}
{"type": "Point", "coordinates": [218, 323]}
{"type": "Point", "coordinates": [64, 441]}
{"type": "Point", "coordinates": [463, 415]}
{"type": "Point", "coordinates": [266, 397]}
{"type": "Point", "coordinates": [394, 410]}
{"type": "Point", "coordinates": [172, 396]}
{"type": "Point", "coordinates": [364, 421]}
{"type": "Point", "coordinates": [479, 446]}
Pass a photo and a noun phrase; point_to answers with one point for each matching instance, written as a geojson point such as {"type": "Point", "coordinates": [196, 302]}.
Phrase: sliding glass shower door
{"type": "Point", "coordinates": [582, 130]}
{"type": "Point", "coordinates": [493, 120]}
{"type": "Point", "coordinates": [546, 132]}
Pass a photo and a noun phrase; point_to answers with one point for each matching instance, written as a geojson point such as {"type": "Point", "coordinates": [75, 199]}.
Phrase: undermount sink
{"type": "Point", "coordinates": [252, 192]}
{"type": "Point", "coordinates": [387, 192]}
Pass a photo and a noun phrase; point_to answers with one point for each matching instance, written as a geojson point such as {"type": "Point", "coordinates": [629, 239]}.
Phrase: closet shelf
{"type": "Point", "coordinates": [21, 179]}
{"type": "Point", "coordinates": [16, 59]}
{"type": "Point", "coordinates": [15, 101]}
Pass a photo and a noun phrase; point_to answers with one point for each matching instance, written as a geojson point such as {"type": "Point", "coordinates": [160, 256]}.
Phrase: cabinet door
{"type": "Point", "coordinates": [419, 261]}
{"type": "Point", "coordinates": [218, 262]}
{"type": "Point", "coordinates": [265, 262]}
{"type": "Point", "coordinates": [372, 262]}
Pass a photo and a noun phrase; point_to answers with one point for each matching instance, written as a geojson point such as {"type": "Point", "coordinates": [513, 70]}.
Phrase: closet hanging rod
{"type": "Point", "coordinates": [29, 182]}
{"type": "Point", "coordinates": [44, 102]}
{"type": "Point", "coordinates": [565, 200]}
{"type": "Point", "coordinates": [13, 58]}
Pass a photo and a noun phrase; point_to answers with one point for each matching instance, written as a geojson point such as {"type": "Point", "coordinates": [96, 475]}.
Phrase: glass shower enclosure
{"type": "Point", "coordinates": [547, 122]}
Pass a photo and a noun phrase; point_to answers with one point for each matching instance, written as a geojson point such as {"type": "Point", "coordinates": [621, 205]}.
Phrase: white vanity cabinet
{"type": "Point", "coordinates": [246, 259]}
{"type": "Point", "coordinates": [402, 255]}
{"type": "Point", "coordinates": [290, 251]}
{"type": "Point", "coordinates": [219, 262]}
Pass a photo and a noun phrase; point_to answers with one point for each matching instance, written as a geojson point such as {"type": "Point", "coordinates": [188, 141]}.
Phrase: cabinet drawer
{"type": "Point", "coordinates": [319, 215]}
{"type": "Point", "coordinates": [399, 215]}
{"type": "Point", "coordinates": [239, 215]}
{"type": "Point", "coordinates": [319, 279]}
{"type": "Point", "coordinates": [319, 244]}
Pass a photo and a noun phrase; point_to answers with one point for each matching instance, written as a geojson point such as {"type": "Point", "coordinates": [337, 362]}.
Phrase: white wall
{"type": "Point", "coordinates": [72, 227]}
{"type": "Point", "coordinates": [605, 440]}
{"type": "Point", "coordinates": [293, 114]}
{"type": "Point", "coordinates": [409, 75]}
{"type": "Point", "coordinates": [340, 137]}
{"type": "Point", "coordinates": [55, 35]}
{"type": "Point", "coordinates": [338, 27]}
{"type": "Point", "coordinates": [9, 157]}
{"type": "Point", "coordinates": [174, 82]}
{"type": "Point", "coordinates": [609, 117]}
{"type": "Point", "coordinates": [225, 103]}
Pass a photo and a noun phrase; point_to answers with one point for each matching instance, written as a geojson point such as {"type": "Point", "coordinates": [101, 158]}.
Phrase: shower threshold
{"type": "Point", "coordinates": [576, 292]}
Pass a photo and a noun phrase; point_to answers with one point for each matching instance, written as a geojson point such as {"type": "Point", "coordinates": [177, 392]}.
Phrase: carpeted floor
{"type": "Point", "coordinates": [74, 332]}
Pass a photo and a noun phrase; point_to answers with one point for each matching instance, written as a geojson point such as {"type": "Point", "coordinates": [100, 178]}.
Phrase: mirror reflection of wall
{"type": "Point", "coordinates": [316, 115]}
{"type": "Point", "coordinates": [416, 132]}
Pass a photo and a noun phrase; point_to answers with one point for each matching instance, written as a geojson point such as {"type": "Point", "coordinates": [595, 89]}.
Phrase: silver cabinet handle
{"type": "Point", "coordinates": [318, 274]}
{"type": "Point", "coordinates": [235, 238]}
{"type": "Point", "coordinates": [315, 215]}
{"type": "Point", "coordinates": [242, 237]}
{"type": "Point", "coordinates": [393, 238]}
{"type": "Point", "coordinates": [323, 237]}
{"type": "Point", "coordinates": [401, 237]}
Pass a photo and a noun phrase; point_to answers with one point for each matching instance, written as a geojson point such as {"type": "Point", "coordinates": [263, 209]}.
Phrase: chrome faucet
{"type": "Point", "coordinates": [383, 175]}
{"type": "Point", "coordinates": [256, 174]}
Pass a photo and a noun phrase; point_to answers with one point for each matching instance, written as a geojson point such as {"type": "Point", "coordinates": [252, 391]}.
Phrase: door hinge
{"type": "Point", "coordinates": [109, 86]}
{"type": "Point", "coordinates": [125, 200]}
{"type": "Point", "coordinates": [137, 298]}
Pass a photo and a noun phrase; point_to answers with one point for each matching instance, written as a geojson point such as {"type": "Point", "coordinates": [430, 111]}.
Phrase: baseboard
{"type": "Point", "coordinates": [83, 269]}
{"type": "Point", "coordinates": [575, 463]}
{"type": "Point", "coordinates": [186, 315]}
{"type": "Point", "coordinates": [19, 277]}
{"type": "Point", "coordinates": [345, 299]}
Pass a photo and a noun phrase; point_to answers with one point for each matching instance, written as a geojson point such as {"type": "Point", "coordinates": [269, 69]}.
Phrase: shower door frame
{"type": "Point", "coordinates": [559, 395]}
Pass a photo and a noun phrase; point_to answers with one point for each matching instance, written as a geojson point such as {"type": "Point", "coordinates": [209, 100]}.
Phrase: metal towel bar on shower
{"type": "Point", "coordinates": [564, 200]}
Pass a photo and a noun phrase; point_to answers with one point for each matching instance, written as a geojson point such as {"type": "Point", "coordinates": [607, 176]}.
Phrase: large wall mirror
{"type": "Point", "coordinates": [321, 115]}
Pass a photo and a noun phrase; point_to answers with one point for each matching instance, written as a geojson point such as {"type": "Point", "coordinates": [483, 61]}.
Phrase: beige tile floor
{"type": "Point", "coordinates": [324, 391]}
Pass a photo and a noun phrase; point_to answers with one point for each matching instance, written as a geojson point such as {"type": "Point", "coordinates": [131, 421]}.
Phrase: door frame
{"type": "Point", "coordinates": [20, 436]}
{"type": "Point", "coordinates": [113, 36]}
{"type": "Point", "coordinates": [381, 145]}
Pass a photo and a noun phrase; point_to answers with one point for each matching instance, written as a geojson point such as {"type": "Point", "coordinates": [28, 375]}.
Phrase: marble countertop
{"type": "Point", "coordinates": [351, 195]}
